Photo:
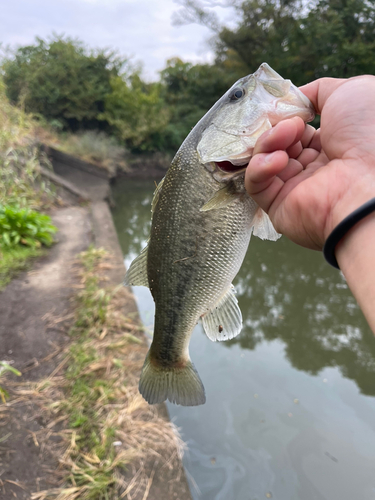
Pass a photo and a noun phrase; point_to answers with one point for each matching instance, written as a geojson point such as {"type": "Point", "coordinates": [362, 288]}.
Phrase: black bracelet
{"type": "Point", "coordinates": [342, 228]}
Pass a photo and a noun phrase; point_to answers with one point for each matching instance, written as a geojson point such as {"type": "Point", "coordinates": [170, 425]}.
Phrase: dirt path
{"type": "Point", "coordinates": [32, 333]}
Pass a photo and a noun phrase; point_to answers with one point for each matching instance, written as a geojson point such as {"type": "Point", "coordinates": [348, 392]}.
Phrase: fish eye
{"type": "Point", "coordinates": [236, 94]}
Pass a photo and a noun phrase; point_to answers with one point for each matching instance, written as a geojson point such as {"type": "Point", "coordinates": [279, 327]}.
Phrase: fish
{"type": "Point", "coordinates": [202, 220]}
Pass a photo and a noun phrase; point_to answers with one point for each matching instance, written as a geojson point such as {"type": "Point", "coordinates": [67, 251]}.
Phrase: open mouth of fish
{"type": "Point", "coordinates": [229, 167]}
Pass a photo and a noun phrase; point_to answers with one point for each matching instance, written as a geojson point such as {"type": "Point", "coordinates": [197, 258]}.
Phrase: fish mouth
{"type": "Point", "coordinates": [229, 167]}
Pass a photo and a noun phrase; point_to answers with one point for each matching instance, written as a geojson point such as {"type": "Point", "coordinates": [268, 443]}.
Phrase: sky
{"type": "Point", "coordinates": [140, 29]}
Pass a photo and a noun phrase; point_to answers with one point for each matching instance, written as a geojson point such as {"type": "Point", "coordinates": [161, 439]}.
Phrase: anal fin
{"type": "Point", "coordinates": [224, 320]}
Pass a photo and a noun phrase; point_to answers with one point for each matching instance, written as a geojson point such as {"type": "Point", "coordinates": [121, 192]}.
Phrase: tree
{"type": "Point", "coordinates": [61, 80]}
{"type": "Point", "coordinates": [189, 91]}
{"type": "Point", "coordinates": [302, 41]}
{"type": "Point", "coordinates": [338, 39]}
{"type": "Point", "coordinates": [136, 112]}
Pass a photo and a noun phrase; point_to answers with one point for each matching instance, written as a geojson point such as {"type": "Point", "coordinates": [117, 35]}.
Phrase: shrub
{"type": "Point", "coordinates": [25, 226]}
{"type": "Point", "coordinates": [61, 79]}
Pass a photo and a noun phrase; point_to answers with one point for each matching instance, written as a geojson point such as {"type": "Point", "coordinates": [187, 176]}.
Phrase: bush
{"type": "Point", "coordinates": [20, 182]}
{"type": "Point", "coordinates": [25, 226]}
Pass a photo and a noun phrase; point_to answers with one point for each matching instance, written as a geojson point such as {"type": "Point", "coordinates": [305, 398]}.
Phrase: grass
{"type": "Point", "coordinates": [95, 147]}
{"type": "Point", "coordinates": [111, 436]}
{"type": "Point", "coordinates": [14, 260]}
{"type": "Point", "coordinates": [6, 367]}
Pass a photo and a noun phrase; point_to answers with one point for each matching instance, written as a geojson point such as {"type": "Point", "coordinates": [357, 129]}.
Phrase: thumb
{"type": "Point", "coordinates": [320, 90]}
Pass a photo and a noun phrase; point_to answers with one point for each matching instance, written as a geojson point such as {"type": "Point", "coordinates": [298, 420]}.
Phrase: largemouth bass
{"type": "Point", "coordinates": [202, 220]}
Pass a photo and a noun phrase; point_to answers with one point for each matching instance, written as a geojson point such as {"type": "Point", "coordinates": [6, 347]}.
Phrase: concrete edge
{"type": "Point", "coordinates": [105, 236]}
{"type": "Point", "coordinates": [73, 161]}
{"type": "Point", "coordinates": [60, 181]}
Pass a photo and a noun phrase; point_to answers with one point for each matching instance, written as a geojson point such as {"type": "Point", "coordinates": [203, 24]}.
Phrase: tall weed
{"type": "Point", "coordinates": [20, 159]}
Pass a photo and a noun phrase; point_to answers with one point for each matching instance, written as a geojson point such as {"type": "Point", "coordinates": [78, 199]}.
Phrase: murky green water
{"type": "Point", "coordinates": [290, 411]}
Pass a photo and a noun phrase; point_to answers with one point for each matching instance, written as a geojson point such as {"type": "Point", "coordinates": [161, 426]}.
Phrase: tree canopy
{"type": "Point", "coordinates": [302, 41]}
{"type": "Point", "coordinates": [65, 82]}
{"type": "Point", "coordinates": [61, 80]}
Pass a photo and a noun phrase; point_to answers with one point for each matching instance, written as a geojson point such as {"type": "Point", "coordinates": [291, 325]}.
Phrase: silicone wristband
{"type": "Point", "coordinates": [341, 229]}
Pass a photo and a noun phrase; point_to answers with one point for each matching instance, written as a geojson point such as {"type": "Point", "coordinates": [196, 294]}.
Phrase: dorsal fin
{"type": "Point", "coordinates": [136, 275]}
{"type": "Point", "coordinates": [137, 272]}
{"type": "Point", "coordinates": [155, 199]}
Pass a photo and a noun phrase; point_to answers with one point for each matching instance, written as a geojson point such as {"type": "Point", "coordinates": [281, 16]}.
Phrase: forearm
{"type": "Point", "coordinates": [355, 254]}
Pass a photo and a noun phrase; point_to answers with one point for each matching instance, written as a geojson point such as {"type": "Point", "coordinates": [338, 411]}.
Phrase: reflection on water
{"type": "Point", "coordinates": [292, 295]}
{"type": "Point", "coordinates": [289, 413]}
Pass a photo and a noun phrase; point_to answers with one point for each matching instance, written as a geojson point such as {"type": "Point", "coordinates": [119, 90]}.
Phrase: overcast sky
{"type": "Point", "coordinates": [139, 28]}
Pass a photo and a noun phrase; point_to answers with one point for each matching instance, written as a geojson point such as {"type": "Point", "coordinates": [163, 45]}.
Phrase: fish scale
{"type": "Point", "coordinates": [202, 220]}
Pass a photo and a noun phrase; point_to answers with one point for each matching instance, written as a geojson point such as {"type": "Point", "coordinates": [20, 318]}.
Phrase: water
{"type": "Point", "coordinates": [290, 411]}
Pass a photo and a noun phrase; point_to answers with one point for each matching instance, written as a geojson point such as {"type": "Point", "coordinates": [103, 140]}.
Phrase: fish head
{"type": "Point", "coordinates": [251, 106]}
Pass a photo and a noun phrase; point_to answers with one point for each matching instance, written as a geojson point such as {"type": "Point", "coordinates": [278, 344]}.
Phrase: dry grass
{"type": "Point", "coordinates": [95, 147]}
{"type": "Point", "coordinates": [110, 439]}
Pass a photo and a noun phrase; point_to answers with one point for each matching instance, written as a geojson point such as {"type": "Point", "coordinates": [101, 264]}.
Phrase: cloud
{"type": "Point", "coordinates": [138, 28]}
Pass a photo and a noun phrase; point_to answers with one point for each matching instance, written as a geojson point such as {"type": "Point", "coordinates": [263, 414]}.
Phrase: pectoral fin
{"type": "Point", "coordinates": [137, 272]}
{"type": "Point", "coordinates": [263, 227]}
{"type": "Point", "coordinates": [220, 199]}
{"type": "Point", "coordinates": [224, 320]}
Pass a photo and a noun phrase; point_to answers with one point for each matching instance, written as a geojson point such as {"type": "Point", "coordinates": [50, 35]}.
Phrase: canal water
{"type": "Point", "coordinates": [290, 411]}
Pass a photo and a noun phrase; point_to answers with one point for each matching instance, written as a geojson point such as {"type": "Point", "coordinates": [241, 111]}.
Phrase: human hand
{"type": "Point", "coordinates": [308, 180]}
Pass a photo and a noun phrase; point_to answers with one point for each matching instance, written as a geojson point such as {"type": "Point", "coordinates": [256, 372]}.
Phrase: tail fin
{"type": "Point", "coordinates": [180, 385]}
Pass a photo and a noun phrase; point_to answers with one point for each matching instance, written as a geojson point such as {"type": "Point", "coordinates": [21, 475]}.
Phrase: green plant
{"type": "Point", "coordinates": [5, 367]}
{"type": "Point", "coordinates": [25, 226]}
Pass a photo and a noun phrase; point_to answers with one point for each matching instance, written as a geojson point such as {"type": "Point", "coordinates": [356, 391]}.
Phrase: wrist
{"type": "Point", "coordinates": [345, 208]}
{"type": "Point", "coordinates": [355, 254]}
{"type": "Point", "coordinates": [343, 228]}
